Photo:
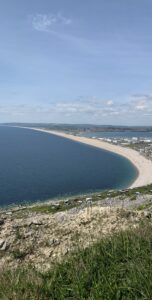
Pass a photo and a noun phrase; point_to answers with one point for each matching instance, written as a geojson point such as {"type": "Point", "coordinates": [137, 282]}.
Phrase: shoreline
{"type": "Point", "coordinates": [143, 165]}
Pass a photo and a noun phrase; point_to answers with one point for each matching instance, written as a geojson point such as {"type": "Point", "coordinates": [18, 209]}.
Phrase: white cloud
{"type": "Point", "coordinates": [54, 25]}
{"type": "Point", "coordinates": [109, 102]}
{"type": "Point", "coordinates": [141, 103]}
{"type": "Point", "coordinates": [140, 106]}
{"type": "Point", "coordinates": [91, 107]}
{"type": "Point", "coordinates": [47, 22]}
{"type": "Point", "coordinates": [134, 110]}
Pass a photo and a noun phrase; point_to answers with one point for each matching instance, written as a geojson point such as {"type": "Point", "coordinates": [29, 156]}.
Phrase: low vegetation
{"type": "Point", "coordinates": [73, 249]}
{"type": "Point", "coordinates": [118, 267]}
{"type": "Point", "coordinates": [73, 202]}
{"type": "Point", "coordinates": [61, 206]}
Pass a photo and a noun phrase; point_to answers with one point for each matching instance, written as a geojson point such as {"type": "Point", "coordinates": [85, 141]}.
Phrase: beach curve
{"type": "Point", "coordinates": [142, 164]}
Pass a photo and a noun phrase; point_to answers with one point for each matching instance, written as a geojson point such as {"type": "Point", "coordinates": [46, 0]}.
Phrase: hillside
{"type": "Point", "coordinates": [87, 247]}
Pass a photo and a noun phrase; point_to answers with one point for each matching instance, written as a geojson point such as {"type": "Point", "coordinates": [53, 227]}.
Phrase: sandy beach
{"type": "Point", "coordinates": [143, 165]}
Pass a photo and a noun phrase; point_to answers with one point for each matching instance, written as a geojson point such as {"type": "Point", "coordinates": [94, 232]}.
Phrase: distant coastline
{"type": "Point", "coordinates": [143, 165]}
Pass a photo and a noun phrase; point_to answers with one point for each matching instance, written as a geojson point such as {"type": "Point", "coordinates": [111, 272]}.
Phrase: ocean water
{"type": "Point", "coordinates": [118, 134]}
{"type": "Point", "coordinates": [36, 166]}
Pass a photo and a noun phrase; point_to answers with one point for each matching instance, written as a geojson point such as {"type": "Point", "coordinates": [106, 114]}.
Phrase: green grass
{"type": "Point", "coordinates": [43, 209]}
{"type": "Point", "coordinates": [133, 197]}
{"type": "Point", "coordinates": [18, 254]}
{"type": "Point", "coordinates": [18, 234]}
{"type": "Point", "coordinates": [118, 268]}
{"type": "Point", "coordinates": [52, 209]}
{"type": "Point", "coordinates": [144, 206]}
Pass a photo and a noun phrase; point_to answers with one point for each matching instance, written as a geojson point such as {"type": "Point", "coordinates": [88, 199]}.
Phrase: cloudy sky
{"type": "Point", "coordinates": [84, 61]}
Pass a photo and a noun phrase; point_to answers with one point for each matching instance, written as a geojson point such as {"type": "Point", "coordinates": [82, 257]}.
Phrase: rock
{"type": "Point", "coordinates": [1, 222]}
{"type": "Point", "coordinates": [56, 205]}
{"type": "Point", "coordinates": [9, 213]}
{"type": "Point", "coordinates": [84, 222]}
{"type": "Point", "coordinates": [137, 193]}
{"type": "Point", "coordinates": [66, 201]}
{"type": "Point", "coordinates": [2, 243]}
{"type": "Point", "coordinates": [54, 242]}
{"type": "Point", "coordinates": [65, 251]}
{"type": "Point", "coordinates": [74, 210]}
{"type": "Point", "coordinates": [147, 214]}
{"type": "Point", "coordinates": [50, 253]}
{"type": "Point", "coordinates": [28, 234]}
{"type": "Point", "coordinates": [37, 222]}
{"type": "Point", "coordinates": [15, 226]}
{"type": "Point", "coordinates": [4, 246]}
{"type": "Point", "coordinates": [88, 199]}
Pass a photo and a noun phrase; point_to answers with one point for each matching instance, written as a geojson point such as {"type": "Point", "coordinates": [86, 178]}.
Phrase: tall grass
{"type": "Point", "coordinates": [118, 268]}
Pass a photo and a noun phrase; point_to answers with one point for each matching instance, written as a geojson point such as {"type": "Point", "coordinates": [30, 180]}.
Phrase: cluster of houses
{"type": "Point", "coordinates": [143, 145]}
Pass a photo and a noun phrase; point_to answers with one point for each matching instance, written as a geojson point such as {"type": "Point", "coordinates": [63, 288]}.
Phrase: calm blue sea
{"type": "Point", "coordinates": [118, 134]}
{"type": "Point", "coordinates": [37, 166]}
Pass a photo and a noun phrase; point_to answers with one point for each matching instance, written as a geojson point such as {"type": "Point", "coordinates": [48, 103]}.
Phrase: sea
{"type": "Point", "coordinates": [37, 166]}
{"type": "Point", "coordinates": [119, 134]}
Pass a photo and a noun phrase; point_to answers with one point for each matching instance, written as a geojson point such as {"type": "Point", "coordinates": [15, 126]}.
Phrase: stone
{"type": "Point", "coordinates": [66, 201]}
{"type": "Point", "coordinates": [9, 213]}
{"type": "Point", "coordinates": [1, 222]}
{"type": "Point", "coordinates": [15, 226]}
{"type": "Point", "coordinates": [4, 246]}
{"type": "Point", "coordinates": [2, 243]}
{"type": "Point", "coordinates": [54, 242]}
{"type": "Point", "coordinates": [28, 234]}
{"type": "Point", "coordinates": [88, 199]}
{"type": "Point", "coordinates": [50, 253]}
{"type": "Point", "coordinates": [56, 205]}
{"type": "Point", "coordinates": [35, 222]}
{"type": "Point", "coordinates": [147, 214]}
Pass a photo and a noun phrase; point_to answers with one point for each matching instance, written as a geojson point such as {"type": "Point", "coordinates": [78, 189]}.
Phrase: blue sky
{"type": "Point", "coordinates": [76, 61]}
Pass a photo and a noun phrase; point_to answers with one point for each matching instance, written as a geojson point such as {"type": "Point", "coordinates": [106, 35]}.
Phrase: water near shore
{"type": "Point", "coordinates": [118, 134]}
{"type": "Point", "coordinates": [37, 166]}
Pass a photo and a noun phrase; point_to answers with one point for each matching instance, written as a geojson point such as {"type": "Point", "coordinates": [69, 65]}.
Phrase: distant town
{"type": "Point", "coordinates": [142, 145]}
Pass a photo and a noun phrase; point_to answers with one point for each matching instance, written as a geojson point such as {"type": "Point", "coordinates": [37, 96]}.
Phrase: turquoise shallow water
{"type": "Point", "coordinates": [37, 166]}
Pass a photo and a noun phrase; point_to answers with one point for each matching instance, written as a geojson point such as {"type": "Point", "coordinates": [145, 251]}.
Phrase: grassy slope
{"type": "Point", "coordinates": [116, 268]}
